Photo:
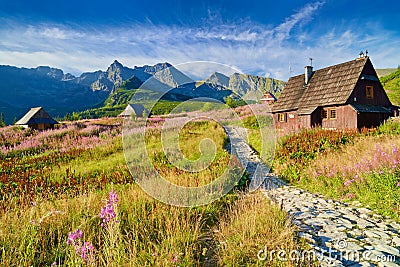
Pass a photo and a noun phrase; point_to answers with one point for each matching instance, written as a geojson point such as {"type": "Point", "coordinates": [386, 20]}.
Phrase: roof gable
{"type": "Point", "coordinates": [327, 86]}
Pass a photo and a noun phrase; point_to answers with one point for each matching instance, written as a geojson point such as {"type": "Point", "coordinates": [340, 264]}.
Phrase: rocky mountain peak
{"type": "Point", "coordinates": [114, 76]}
{"type": "Point", "coordinates": [68, 77]}
{"type": "Point", "coordinates": [115, 66]}
{"type": "Point", "coordinates": [218, 78]}
{"type": "Point", "coordinates": [50, 72]}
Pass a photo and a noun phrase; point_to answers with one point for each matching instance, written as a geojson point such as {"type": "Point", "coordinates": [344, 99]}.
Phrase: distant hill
{"type": "Point", "coordinates": [391, 83]}
{"type": "Point", "coordinates": [385, 72]}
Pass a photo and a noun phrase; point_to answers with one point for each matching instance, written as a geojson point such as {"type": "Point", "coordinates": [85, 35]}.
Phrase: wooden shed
{"type": "Point", "coordinates": [136, 110]}
{"type": "Point", "coordinates": [38, 119]}
{"type": "Point", "coordinates": [343, 96]}
{"type": "Point", "coordinates": [268, 98]}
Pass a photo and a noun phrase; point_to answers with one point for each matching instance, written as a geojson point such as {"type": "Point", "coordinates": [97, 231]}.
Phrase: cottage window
{"type": "Point", "coordinates": [281, 117]}
{"type": "Point", "coordinates": [324, 114]}
{"type": "Point", "coordinates": [332, 114]}
{"type": "Point", "coordinates": [369, 91]}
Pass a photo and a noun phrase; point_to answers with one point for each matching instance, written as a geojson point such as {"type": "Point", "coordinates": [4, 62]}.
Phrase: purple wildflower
{"type": "Point", "coordinates": [348, 182]}
{"type": "Point", "coordinates": [86, 251]}
{"type": "Point", "coordinates": [398, 184]}
{"type": "Point", "coordinates": [113, 197]}
{"type": "Point", "coordinates": [54, 264]}
{"type": "Point", "coordinates": [175, 259]}
{"type": "Point", "coordinates": [72, 236]}
{"type": "Point", "coordinates": [107, 213]}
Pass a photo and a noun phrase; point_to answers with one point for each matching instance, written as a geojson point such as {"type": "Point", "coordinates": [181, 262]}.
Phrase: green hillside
{"type": "Point", "coordinates": [123, 93]}
{"type": "Point", "coordinates": [384, 72]}
{"type": "Point", "coordinates": [391, 83]}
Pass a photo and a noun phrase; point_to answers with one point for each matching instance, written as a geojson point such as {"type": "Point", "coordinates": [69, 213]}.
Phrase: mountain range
{"type": "Point", "coordinates": [59, 92]}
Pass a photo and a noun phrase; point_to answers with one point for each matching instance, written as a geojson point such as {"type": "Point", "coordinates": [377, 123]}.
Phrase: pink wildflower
{"type": "Point", "coordinates": [107, 213]}
{"type": "Point", "coordinates": [348, 182]}
{"type": "Point", "coordinates": [86, 251]}
{"type": "Point", "coordinates": [175, 259]}
{"type": "Point", "coordinates": [72, 236]}
{"type": "Point", "coordinates": [113, 196]}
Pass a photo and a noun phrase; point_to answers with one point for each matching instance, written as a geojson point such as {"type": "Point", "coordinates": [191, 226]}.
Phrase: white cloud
{"type": "Point", "coordinates": [252, 48]}
{"type": "Point", "coordinates": [304, 15]}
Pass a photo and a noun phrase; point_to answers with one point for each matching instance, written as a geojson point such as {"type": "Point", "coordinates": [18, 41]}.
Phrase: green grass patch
{"type": "Point", "coordinates": [391, 83]}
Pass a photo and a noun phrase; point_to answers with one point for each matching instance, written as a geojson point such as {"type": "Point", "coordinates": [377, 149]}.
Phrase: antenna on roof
{"type": "Point", "coordinates": [290, 70]}
{"type": "Point", "coordinates": [366, 53]}
{"type": "Point", "coordinates": [311, 61]}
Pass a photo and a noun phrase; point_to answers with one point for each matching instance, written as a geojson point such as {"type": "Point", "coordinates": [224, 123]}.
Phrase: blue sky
{"type": "Point", "coordinates": [257, 37]}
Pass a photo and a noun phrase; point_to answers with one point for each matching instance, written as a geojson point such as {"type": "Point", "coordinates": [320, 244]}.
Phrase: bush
{"type": "Point", "coordinates": [391, 126]}
{"type": "Point", "coordinates": [296, 151]}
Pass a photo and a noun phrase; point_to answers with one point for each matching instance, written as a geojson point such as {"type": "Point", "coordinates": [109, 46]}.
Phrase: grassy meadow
{"type": "Point", "coordinates": [67, 198]}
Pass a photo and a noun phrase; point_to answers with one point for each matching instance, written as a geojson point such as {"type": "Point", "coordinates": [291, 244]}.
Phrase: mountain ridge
{"type": "Point", "coordinates": [60, 92]}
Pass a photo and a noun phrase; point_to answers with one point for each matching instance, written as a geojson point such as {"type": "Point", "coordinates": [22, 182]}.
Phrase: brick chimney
{"type": "Point", "coordinates": [308, 71]}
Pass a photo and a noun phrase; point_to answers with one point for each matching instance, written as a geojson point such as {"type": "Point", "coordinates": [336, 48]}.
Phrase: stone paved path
{"type": "Point", "coordinates": [339, 234]}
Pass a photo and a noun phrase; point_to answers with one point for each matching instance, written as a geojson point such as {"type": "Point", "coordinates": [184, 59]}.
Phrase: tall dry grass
{"type": "Point", "coordinates": [252, 224]}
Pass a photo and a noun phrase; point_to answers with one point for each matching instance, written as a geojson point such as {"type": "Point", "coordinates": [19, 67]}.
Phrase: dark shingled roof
{"type": "Point", "coordinates": [36, 116]}
{"type": "Point", "coordinates": [329, 86]}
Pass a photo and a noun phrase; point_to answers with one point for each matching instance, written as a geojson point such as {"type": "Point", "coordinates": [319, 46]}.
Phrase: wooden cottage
{"type": "Point", "coordinates": [38, 119]}
{"type": "Point", "coordinates": [133, 110]}
{"type": "Point", "coordinates": [268, 98]}
{"type": "Point", "coordinates": [343, 96]}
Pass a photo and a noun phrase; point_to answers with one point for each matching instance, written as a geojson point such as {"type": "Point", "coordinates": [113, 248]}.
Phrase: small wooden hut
{"type": "Point", "coordinates": [344, 96]}
{"type": "Point", "coordinates": [136, 110]}
{"type": "Point", "coordinates": [268, 98]}
{"type": "Point", "coordinates": [38, 119]}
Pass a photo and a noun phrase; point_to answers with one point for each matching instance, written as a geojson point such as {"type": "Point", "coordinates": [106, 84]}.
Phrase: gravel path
{"type": "Point", "coordinates": [339, 234]}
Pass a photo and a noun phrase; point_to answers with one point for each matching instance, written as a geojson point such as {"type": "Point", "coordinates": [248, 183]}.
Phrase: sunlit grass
{"type": "Point", "coordinates": [190, 139]}
{"type": "Point", "coordinates": [253, 224]}
{"type": "Point", "coordinates": [105, 158]}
